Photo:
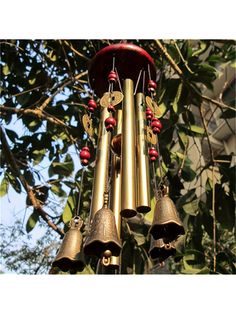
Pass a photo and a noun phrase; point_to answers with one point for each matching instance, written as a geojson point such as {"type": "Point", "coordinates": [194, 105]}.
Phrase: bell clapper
{"type": "Point", "coordinates": [106, 258]}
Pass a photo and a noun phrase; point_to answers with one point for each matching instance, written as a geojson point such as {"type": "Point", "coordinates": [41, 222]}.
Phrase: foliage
{"type": "Point", "coordinates": [44, 85]}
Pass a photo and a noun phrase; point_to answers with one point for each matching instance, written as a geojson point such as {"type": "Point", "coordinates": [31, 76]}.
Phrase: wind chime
{"type": "Point", "coordinates": [128, 155]}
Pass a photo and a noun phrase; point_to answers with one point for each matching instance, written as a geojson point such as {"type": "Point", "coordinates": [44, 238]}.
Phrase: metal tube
{"type": "Point", "coordinates": [116, 191]}
{"type": "Point", "coordinates": [143, 177]}
{"type": "Point", "coordinates": [102, 160]}
{"type": "Point", "coordinates": [128, 158]}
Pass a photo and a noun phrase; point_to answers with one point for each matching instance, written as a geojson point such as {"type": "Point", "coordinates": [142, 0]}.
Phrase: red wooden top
{"type": "Point", "coordinates": [129, 60]}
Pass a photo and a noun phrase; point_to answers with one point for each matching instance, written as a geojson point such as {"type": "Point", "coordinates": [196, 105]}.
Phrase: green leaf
{"type": "Point", "coordinates": [69, 208]}
{"type": "Point", "coordinates": [64, 168]}
{"type": "Point", "coordinates": [180, 244]}
{"type": "Point", "coordinates": [203, 46]}
{"type": "Point", "coordinates": [38, 155]}
{"type": "Point", "coordinates": [6, 70]}
{"type": "Point", "coordinates": [11, 134]}
{"type": "Point", "coordinates": [233, 64]}
{"type": "Point", "coordinates": [33, 219]}
{"type": "Point", "coordinates": [150, 214]}
{"type": "Point", "coordinates": [162, 108]}
{"type": "Point", "coordinates": [181, 156]}
{"type": "Point", "coordinates": [194, 271]}
{"type": "Point", "coordinates": [186, 198]}
{"type": "Point", "coordinates": [139, 238]}
{"type": "Point", "coordinates": [52, 56]}
{"type": "Point", "coordinates": [183, 139]}
{"type": "Point", "coordinates": [194, 263]}
{"type": "Point", "coordinates": [14, 182]}
{"type": "Point", "coordinates": [191, 208]}
{"type": "Point", "coordinates": [87, 271]}
{"type": "Point", "coordinates": [177, 97]}
{"type": "Point", "coordinates": [192, 130]}
{"type": "Point", "coordinates": [188, 174]}
{"type": "Point", "coordinates": [32, 81]}
{"type": "Point", "coordinates": [4, 186]}
{"type": "Point", "coordinates": [57, 189]}
{"type": "Point", "coordinates": [175, 106]}
{"type": "Point", "coordinates": [197, 129]}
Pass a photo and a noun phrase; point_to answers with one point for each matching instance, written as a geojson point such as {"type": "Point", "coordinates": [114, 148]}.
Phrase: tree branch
{"type": "Point", "coordinates": [176, 68]}
{"type": "Point", "coordinates": [182, 58]}
{"type": "Point", "coordinates": [217, 103]}
{"type": "Point", "coordinates": [207, 134]}
{"type": "Point", "coordinates": [35, 203]}
{"type": "Point", "coordinates": [60, 88]}
{"type": "Point", "coordinates": [36, 113]}
{"type": "Point", "coordinates": [76, 51]}
{"type": "Point", "coordinates": [164, 52]}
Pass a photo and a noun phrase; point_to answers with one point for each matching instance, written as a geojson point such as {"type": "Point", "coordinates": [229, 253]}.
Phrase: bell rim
{"type": "Point", "coordinates": [89, 249]}
{"type": "Point", "coordinates": [128, 213]}
{"type": "Point", "coordinates": [79, 265]}
{"type": "Point", "coordinates": [179, 230]}
{"type": "Point", "coordinates": [143, 209]}
{"type": "Point", "coordinates": [162, 250]}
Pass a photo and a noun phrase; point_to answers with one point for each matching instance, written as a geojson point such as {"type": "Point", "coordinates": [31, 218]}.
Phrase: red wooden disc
{"type": "Point", "coordinates": [129, 60]}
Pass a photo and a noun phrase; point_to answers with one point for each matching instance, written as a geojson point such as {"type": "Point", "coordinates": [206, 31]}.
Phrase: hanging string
{"type": "Point", "coordinates": [149, 72]}
{"type": "Point", "coordinates": [136, 87]}
{"type": "Point", "coordinates": [157, 145]}
{"type": "Point", "coordinates": [81, 187]}
{"type": "Point", "coordinates": [118, 80]}
{"type": "Point", "coordinates": [143, 87]}
{"type": "Point", "coordinates": [153, 167]}
{"type": "Point", "coordinates": [149, 76]}
{"type": "Point", "coordinates": [80, 192]}
{"type": "Point", "coordinates": [106, 187]}
{"type": "Point", "coordinates": [159, 162]}
{"type": "Point", "coordinates": [154, 181]}
{"type": "Point", "coordinates": [113, 63]}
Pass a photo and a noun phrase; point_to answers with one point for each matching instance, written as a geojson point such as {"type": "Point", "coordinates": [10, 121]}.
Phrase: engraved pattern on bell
{"type": "Point", "coordinates": [166, 222]}
{"type": "Point", "coordinates": [88, 125]}
{"type": "Point", "coordinates": [70, 257]}
{"type": "Point", "coordinates": [151, 137]}
{"type": "Point", "coordinates": [161, 249]}
{"type": "Point", "coordinates": [103, 234]}
{"type": "Point", "coordinates": [113, 98]}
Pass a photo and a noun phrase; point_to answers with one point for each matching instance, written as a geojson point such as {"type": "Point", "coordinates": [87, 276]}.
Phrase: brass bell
{"type": "Point", "coordinates": [103, 234]}
{"type": "Point", "coordinates": [70, 257]}
{"type": "Point", "coordinates": [166, 222]}
{"type": "Point", "coordinates": [161, 249]}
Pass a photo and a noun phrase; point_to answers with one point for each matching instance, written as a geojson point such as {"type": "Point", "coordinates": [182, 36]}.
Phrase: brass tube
{"type": "Point", "coordinates": [116, 191]}
{"type": "Point", "coordinates": [143, 177]}
{"type": "Point", "coordinates": [102, 160]}
{"type": "Point", "coordinates": [128, 158]}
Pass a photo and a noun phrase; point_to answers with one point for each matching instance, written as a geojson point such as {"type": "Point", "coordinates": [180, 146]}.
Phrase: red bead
{"type": "Point", "coordinates": [110, 123]}
{"type": "Point", "coordinates": [152, 86]}
{"type": "Point", "coordinates": [85, 148]}
{"type": "Point", "coordinates": [149, 114]}
{"type": "Point", "coordinates": [92, 105]}
{"type": "Point", "coordinates": [84, 162]}
{"type": "Point", "coordinates": [84, 154]}
{"type": "Point", "coordinates": [156, 125]}
{"type": "Point", "coordinates": [156, 130]}
{"type": "Point", "coordinates": [112, 77]}
{"type": "Point", "coordinates": [111, 108]}
{"type": "Point", "coordinates": [153, 154]}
